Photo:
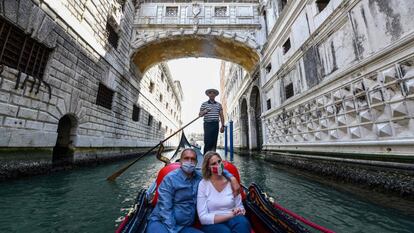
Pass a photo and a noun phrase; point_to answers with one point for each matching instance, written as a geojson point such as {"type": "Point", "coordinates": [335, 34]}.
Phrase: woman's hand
{"type": "Point", "coordinates": [238, 211]}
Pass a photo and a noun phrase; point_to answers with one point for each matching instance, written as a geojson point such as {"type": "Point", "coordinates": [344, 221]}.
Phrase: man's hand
{"type": "Point", "coordinates": [222, 129]}
{"type": "Point", "coordinates": [204, 112]}
{"type": "Point", "coordinates": [235, 186]}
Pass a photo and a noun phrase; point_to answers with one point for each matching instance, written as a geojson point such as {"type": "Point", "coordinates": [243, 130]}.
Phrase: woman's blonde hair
{"type": "Point", "coordinates": [204, 167]}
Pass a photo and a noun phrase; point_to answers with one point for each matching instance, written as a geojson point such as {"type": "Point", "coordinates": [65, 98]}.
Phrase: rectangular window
{"type": "Point", "coordinates": [135, 113]}
{"type": "Point", "coordinates": [105, 96]}
{"type": "Point", "coordinates": [268, 104]}
{"type": "Point", "coordinates": [283, 3]}
{"type": "Point", "coordinates": [161, 98]}
{"type": "Point", "coordinates": [289, 92]}
{"type": "Point", "coordinates": [150, 119]}
{"type": "Point", "coordinates": [168, 88]}
{"type": "Point", "coordinates": [286, 46]}
{"type": "Point", "coordinates": [268, 68]}
{"type": "Point", "coordinates": [151, 87]}
{"type": "Point", "coordinates": [112, 35]}
{"type": "Point", "coordinates": [171, 11]}
{"type": "Point", "coordinates": [220, 11]}
{"type": "Point", "coordinates": [20, 51]}
{"type": "Point", "coordinates": [159, 125]}
{"type": "Point", "coordinates": [166, 105]}
{"type": "Point", "coordinates": [162, 77]}
{"type": "Point", "coordinates": [322, 4]}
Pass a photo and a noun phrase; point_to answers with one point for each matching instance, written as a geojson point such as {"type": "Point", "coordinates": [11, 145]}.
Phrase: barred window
{"type": "Point", "coordinates": [171, 11]}
{"type": "Point", "coordinates": [289, 92]}
{"type": "Point", "coordinates": [268, 104]}
{"type": "Point", "coordinates": [105, 96]}
{"type": "Point", "coordinates": [20, 51]}
{"type": "Point", "coordinates": [150, 119]}
{"type": "Point", "coordinates": [112, 35]}
{"type": "Point", "coordinates": [220, 11]}
{"type": "Point", "coordinates": [135, 113]}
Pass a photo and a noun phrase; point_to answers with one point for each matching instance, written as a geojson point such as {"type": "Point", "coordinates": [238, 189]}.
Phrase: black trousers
{"type": "Point", "coordinates": [211, 130]}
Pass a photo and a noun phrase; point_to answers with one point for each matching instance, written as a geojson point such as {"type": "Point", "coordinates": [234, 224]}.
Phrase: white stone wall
{"type": "Point", "coordinates": [81, 58]}
{"type": "Point", "coordinates": [351, 69]}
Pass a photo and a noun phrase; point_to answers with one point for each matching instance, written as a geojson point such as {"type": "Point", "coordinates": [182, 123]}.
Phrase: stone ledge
{"type": "Point", "coordinates": [26, 162]}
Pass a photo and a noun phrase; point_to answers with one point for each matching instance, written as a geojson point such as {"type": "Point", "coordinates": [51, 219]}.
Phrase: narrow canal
{"type": "Point", "coordinates": [83, 201]}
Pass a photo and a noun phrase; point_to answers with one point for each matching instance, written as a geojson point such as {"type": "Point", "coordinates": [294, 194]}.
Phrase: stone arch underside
{"type": "Point", "coordinates": [209, 46]}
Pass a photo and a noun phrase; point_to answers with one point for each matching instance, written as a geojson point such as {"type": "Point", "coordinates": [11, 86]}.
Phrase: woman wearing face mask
{"type": "Point", "coordinates": [218, 210]}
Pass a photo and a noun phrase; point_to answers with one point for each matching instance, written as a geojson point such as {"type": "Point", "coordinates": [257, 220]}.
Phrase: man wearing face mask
{"type": "Point", "coordinates": [175, 210]}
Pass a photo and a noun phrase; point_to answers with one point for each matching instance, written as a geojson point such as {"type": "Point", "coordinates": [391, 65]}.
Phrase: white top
{"type": "Point", "coordinates": [211, 202]}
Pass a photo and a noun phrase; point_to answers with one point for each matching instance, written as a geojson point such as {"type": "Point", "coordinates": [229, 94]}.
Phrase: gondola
{"type": "Point", "coordinates": [264, 214]}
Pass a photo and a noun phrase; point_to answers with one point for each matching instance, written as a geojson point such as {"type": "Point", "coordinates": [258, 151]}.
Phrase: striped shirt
{"type": "Point", "coordinates": [214, 113]}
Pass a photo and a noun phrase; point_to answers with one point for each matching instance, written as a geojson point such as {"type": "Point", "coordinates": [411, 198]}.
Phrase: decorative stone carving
{"type": "Point", "coordinates": [384, 129]}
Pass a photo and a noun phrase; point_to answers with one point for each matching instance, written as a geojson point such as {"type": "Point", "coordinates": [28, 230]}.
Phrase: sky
{"type": "Point", "coordinates": [195, 75]}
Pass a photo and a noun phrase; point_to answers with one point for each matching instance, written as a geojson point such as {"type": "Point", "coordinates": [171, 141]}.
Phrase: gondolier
{"type": "Point", "coordinates": [213, 114]}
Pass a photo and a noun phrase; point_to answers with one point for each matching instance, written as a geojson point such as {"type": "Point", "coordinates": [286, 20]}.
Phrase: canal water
{"type": "Point", "coordinates": [82, 200]}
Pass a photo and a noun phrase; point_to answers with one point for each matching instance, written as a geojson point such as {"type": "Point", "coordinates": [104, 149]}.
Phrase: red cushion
{"type": "Point", "coordinates": [161, 174]}
{"type": "Point", "coordinates": [233, 170]}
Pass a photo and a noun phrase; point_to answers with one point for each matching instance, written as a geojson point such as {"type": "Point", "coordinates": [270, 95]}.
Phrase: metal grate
{"type": "Point", "coordinates": [112, 35]}
{"type": "Point", "coordinates": [105, 96]}
{"type": "Point", "coordinates": [21, 52]}
{"type": "Point", "coordinates": [135, 113]}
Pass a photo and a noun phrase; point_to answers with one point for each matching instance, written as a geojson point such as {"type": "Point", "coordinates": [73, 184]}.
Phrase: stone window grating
{"type": "Point", "coordinates": [171, 11]}
{"type": "Point", "coordinates": [220, 11]}
{"type": "Point", "coordinates": [105, 96]}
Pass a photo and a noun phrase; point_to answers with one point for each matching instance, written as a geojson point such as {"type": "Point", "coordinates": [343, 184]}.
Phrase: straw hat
{"type": "Point", "coordinates": [212, 90]}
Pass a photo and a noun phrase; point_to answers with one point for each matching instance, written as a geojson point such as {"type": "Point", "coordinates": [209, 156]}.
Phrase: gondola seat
{"type": "Point", "coordinates": [173, 166]}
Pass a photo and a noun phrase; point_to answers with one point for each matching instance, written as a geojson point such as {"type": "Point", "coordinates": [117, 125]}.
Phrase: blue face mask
{"type": "Point", "coordinates": [188, 167]}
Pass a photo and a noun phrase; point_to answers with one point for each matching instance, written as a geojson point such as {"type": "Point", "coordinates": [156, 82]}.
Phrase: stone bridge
{"type": "Point", "coordinates": [225, 30]}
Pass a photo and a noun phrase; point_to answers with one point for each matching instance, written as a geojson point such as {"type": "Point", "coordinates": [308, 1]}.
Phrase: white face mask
{"type": "Point", "coordinates": [188, 167]}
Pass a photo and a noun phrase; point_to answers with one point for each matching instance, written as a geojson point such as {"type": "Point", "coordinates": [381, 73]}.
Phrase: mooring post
{"type": "Point", "coordinates": [225, 141]}
{"type": "Point", "coordinates": [231, 141]}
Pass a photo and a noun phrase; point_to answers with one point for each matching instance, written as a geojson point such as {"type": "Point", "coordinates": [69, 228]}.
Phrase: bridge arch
{"type": "Point", "coordinates": [152, 48]}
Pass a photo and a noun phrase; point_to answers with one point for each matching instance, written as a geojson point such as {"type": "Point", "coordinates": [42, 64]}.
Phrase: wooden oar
{"type": "Point", "coordinates": [119, 172]}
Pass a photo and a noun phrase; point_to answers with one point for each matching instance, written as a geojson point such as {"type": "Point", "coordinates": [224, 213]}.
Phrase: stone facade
{"type": "Point", "coordinates": [337, 76]}
{"type": "Point", "coordinates": [243, 107]}
{"type": "Point", "coordinates": [89, 52]}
